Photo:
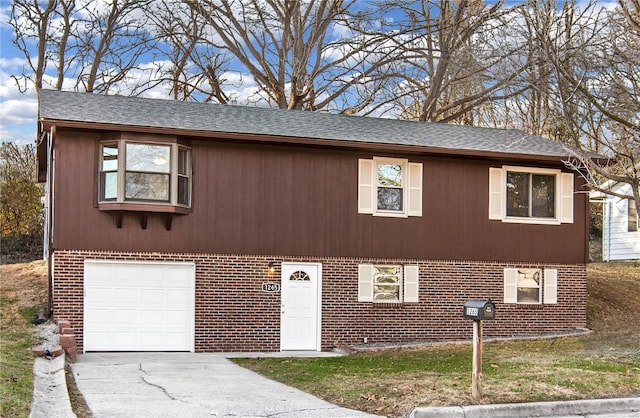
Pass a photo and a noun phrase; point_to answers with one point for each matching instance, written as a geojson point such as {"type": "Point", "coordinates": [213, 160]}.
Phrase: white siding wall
{"type": "Point", "coordinates": [617, 242]}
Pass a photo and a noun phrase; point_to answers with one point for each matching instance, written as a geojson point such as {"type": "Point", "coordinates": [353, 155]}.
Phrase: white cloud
{"type": "Point", "coordinates": [13, 63]}
{"type": "Point", "coordinates": [25, 135]}
{"type": "Point", "coordinates": [18, 112]}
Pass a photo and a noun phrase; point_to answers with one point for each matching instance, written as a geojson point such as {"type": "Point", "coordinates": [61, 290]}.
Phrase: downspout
{"type": "Point", "coordinates": [49, 222]}
{"type": "Point", "coordinates": [608, 234]}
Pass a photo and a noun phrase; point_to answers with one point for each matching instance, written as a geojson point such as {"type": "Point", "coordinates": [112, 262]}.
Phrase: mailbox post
{"type": "Point", "coordinates": [478, 310]}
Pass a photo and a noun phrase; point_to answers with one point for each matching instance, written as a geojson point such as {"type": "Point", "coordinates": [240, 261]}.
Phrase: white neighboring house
{"type": "Point", "coordinates": [620, 226]}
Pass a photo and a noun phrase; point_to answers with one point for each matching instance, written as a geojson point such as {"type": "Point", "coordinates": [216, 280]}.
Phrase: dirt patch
{"type": "Point", "coordinates": [23, 286]}
{"type": "Point", "coordinates": [613, 298]}
{"type": "Point", "coordinates": [78, 403]}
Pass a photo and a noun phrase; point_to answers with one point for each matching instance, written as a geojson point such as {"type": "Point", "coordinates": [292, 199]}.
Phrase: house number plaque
{"type": "Point", "coordinates": [271, 287]}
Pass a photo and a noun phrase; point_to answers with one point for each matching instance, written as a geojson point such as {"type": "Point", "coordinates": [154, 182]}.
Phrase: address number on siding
{"type": "Point", "coordinates": [270, 287]}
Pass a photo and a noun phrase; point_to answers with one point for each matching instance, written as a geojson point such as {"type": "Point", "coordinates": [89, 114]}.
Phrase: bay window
{"type": "Point", "coordinates": [145, 173]}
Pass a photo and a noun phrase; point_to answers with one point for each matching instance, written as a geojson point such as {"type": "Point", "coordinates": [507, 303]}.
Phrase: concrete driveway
{"type": "Point", "coordinates": [188, 385]}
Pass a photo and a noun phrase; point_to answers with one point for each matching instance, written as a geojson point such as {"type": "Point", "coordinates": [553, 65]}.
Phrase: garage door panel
{"type": "Point", "coordinates": [177, 317]}
{"type": "Point", "coordinates": [151, 297]}
{"type": "Point", "coordinates": [97, 339]}
{"type": "Point", "coordinates": [121, 339]}
{"type": "Point", "coordinates": [99, 275]}
{"type": "Point", "coordinates": [98, 296]}
{"type": "Point", "coordinates": [127, 271]}
{"type": "Point", "coordinates": [148, 317]}
{"type": "Point", "coordinates": [178, 280]}
{"type": "Point", "coordinates": [150, 280]}
{"type": "Point", "coordinates": [125, 317]}
{"type": "Point", "coordinates": [156, 272]}
{"type": "Point", "coordinates": [132, 306]}
{"type": "Point", "coordinates": [176, 338]}
{"type": "Point", "coordinates": [177, 297]}
{"type": "Point", "coordinates": [122, 296]}
{"type": "Point", "coordinates": [98, 316]}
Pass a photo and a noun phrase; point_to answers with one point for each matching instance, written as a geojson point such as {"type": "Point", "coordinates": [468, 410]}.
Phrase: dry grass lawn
{"type": "Point", "coordinates": [23, 294]}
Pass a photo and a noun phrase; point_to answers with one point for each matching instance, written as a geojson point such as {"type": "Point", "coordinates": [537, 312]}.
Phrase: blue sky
{"type": "Point", "coordinates": [17, 111]}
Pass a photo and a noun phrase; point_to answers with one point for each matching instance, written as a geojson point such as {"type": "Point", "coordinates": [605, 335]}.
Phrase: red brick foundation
{"type": "Point", "coordinates": [234, 314]}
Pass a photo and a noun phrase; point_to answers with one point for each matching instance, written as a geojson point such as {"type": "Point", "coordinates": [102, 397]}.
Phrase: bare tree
{"type": "Point", "coordinates": [596, 63]}
{"type": "Point", "coordinates": [111, 43]}
{"type": "Point", "coordinates": [34, 23]}
{"type": "Point", "coordinates": [94, 46]}
{"type": "Point", "coordinates": [293, 51]}
{"type": "Point", "coordinates": [454, 60]}
{"type": "Point", "coordinates": [197, 65]}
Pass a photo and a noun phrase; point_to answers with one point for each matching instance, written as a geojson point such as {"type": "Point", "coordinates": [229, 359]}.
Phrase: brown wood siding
{"type": "Point", "coordinates": [288, 200]}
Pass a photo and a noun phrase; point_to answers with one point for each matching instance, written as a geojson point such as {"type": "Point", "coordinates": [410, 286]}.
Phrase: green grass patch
{"type": "Point", "coordinates": [16, 371]}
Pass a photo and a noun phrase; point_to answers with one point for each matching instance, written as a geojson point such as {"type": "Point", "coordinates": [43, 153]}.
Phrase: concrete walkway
{"type": "Point", "coordinates": [591, 408]}
{"type": "Point", "coordinates": [188, 385]}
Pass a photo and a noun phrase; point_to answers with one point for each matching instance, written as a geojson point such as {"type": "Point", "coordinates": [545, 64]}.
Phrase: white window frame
{"type": "Point", "coordinates": [548, 286]}
{"type": "Point", "coordinates": [563, 199]}
{"type": "Point", "coordinates": [368, 187]}
{"type": "Point", "coordinates": [122, 171]}
{"type": "Point", "coordinates": [408, 283]}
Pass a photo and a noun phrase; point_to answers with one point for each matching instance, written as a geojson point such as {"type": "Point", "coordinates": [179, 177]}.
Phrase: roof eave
{"type": "Point", "coordinates": [100, 126]}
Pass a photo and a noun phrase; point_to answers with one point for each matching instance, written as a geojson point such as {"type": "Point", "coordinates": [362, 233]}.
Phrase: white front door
{"type": "Point", "coordinates": [300, 306]}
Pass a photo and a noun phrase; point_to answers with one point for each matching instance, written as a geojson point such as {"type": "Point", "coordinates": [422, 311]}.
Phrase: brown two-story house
{"type": "Point", "coordinates": [201, 227]}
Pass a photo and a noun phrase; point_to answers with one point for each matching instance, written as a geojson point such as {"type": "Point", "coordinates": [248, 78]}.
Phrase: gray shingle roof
{"type": "Point", "coordinates": [206, 117]}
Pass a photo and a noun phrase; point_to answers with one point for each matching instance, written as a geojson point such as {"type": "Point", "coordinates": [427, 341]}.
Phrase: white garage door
{"type": "Point", "coordinates": [138, 306]}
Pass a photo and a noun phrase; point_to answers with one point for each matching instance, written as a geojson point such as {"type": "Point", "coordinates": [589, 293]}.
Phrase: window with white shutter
{"type": "Point", "coordinates": [389, 187]}
{"type": "Point", "coordinates": [388, 283]}
{"type": "Point", "coordinates": [530, 286]}
{"type": "Point", "coordinates": [530, 195]}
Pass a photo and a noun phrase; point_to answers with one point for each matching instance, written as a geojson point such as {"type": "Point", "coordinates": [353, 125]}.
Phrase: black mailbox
{"type": "Point", "coordinates": [479, 310]}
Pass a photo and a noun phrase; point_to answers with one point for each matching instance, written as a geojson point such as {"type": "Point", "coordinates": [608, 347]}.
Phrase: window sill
{"type": "Point", "coordinates": [143, 207]}
{"type": "Point", "coordinates": [528, 305]}
{"type": "Point", "coordinates": [392, 304]}
{"type": "Point", "coordinates": [533, 221]}
{"type": "Point", "coordinates": [390, 214]}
